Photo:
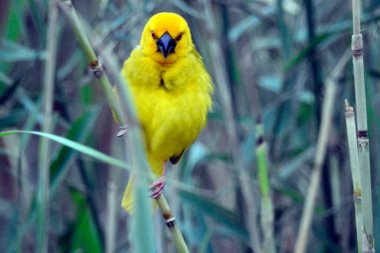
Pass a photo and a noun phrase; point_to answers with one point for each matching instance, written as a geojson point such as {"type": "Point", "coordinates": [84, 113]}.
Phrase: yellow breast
{"type": "Point", "coordinates": [172, 101]}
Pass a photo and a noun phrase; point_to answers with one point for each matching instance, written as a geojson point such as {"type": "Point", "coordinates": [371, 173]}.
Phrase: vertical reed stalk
{"type": "Point", "coordinates": [243, 177]}
{"type": "Point", "coordinates": [44, 153]}
{"type": "Point", "coordinates": [125, 112]}
{"type": "Point", "coordinates": [267, 215]}
{"type": "Point", "coordinates": [308, 211]}
{"type": "Point", "coordinates": [354, 161]}
{"type": "Point", "coordinates": [362, 133]}
{"type": "Point", "coordinates": [111, 214]}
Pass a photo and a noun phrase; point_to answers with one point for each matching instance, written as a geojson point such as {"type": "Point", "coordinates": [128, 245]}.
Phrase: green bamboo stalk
{"type": "Point", "coordinates": [134, 143]}
{"type": "Point", "coordinates": [354, 161]}
{"type": "Point", "coordinates": [308, 211]}
{"type": "Point", "coordinates": [43, 177]}
{"type": "Point", "coordinates": [267, 215]}
{"type": "Point", "coordinates": [362, 133]}
{"type": "Point", "coordinates": [244, 179]}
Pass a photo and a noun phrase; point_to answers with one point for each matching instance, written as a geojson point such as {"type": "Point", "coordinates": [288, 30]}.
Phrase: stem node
{"type": "Point", "coordinates": [96, 69]}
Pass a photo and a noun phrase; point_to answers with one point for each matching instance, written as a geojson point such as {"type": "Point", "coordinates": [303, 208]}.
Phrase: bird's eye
{"type": "Point", "coordinates": [154, 35]}
{"type": "Point", "coordinates": [179, 37]}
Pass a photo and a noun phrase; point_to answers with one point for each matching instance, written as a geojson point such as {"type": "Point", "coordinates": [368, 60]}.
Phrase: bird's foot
{"type": "Point", "coordinates": [157, 187]}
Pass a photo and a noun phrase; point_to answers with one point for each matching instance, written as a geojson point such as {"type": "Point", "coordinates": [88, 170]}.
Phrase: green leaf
{"type": "Point", "coordinates": [142, 223]}
{"type": "Point", "coordinates": [186, 8]}
{"type": "Point", "coordinates": [197, 153]}
{"type": "Point", "coordinates": [70, 65]}
{"type": "Point", "coordinates": [290, 193]}
{"type": "Point", "coordinates": [14, 21]}
{"type": "Point", "coordinates": [5, 79]}
{"type": "Point", "coordinates": [271, 82]}
{"type": "Point", "coordinates": [9, 91]}
{"type": "Point", "coordinates": [12, 51]}
{"type": "Point", "coordinates": [249, 146]}
{"type": "Point", "coordinates": [13, 25]}
{"type": "Point", "coordinates": [288, 169]}
{"type": "Point", "coordinates": [248, 23]}
{"type": "Point", "coordinates": [229, 219]}
{"type": "Point", "coordinates": [74, 145]}
{"type": "Point", "coordinates": [302, 54]}
{"type": "Point", "coordinates": [263, 170]}
{"type": "Point", "coordinates": [82, 235]}
{"type": "Point", "coordinates": [306, 96]}
{"type": "Point", "coordinates": [13, 118]}
{"type": "Point", "coordinates": [87, 94]}
{"type": "Point", "coordinates": [120, 20]}
{"type": "Point", "coordinates": [78, 132]}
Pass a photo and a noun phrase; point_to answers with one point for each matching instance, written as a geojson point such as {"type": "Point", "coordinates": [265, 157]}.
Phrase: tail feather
{"type": "Point", "coordinates": [127, 201]}
{"type": "Point", "coordinates": [157, 167]}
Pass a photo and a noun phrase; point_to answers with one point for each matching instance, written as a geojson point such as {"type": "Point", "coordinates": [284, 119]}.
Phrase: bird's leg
{"type": "Point", "coordinates": [157, 186]}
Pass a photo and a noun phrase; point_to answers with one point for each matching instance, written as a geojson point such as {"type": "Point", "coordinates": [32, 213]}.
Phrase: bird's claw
{"type": "Point", "coordinates": [157, 187]}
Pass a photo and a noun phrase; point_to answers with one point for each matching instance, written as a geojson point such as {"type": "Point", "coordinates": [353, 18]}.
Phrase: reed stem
{"type": "Point", "coordinates": [267, 214]}
{"type": "Point", "coordinates": [362, 128]}
{"type": "Point", "coordinates": [308, 211]}
{"type": "Point", "coordinates": [44, 153]}
{"type": "Point", "coordinates": [354, 161]}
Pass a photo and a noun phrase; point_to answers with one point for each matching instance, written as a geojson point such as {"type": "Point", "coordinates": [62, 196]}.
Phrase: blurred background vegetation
{"type": "Point", "coordinates": [275, 58]}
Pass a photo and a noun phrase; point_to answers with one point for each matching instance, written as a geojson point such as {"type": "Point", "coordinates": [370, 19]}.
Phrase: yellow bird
{"type": "Point", "coordinates": [171, 90]}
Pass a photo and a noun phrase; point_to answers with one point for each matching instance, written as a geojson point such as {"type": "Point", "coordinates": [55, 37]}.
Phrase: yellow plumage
{"type": "Point", "coordinates": [171, 90]}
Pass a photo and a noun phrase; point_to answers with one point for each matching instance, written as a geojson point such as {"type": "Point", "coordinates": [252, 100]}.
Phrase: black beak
{"type": "Point", "coordinates": [166, 44]}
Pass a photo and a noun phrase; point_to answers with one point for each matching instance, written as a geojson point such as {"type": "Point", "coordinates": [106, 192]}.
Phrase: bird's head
{"type": "Point", "coordinates": [166, 37]}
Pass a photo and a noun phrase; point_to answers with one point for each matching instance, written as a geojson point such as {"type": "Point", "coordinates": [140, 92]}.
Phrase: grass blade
{"type": "Point", "coordinates": [76, 146]}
